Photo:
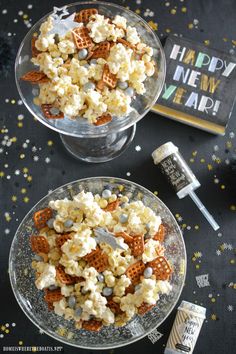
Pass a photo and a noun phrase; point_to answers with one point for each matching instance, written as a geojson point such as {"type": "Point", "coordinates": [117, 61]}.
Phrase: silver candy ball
{"type": "Point", "coordinates": [147, 272]}
{"type": "Point", "coordinates": [129, 91]}
{"type": "Point", "coordinates": [78, 312]}
{"type": "Point", "coordinates": [100, 278]}
{"type": "Point", "coordinates": [122, 85]}
{"type": "Point", "coordinates": [106, 194]}
{"type": "Point", "coordinates": [82, 54]}
{"type": "Point", "coordinates": [107, 291]}
{"type": "Point", "coordinates": [71, 302]}
{"type": "Point", "coordinates": [123, 218]}
{"type": "Point", "coordinates": [93, 61]}
{"type": "Point", "coordinates": [68, 223]}
{"type": "Point", "coordinates": [89, 86]}
{"type": "Point", "coordinates": [38, 258]}
{"type": "Point", "coordinates": [50, 223]}
{"type": "Point", "coordinates": [52, 287]}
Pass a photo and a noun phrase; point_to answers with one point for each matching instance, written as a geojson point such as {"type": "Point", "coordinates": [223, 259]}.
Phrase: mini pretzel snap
{"type": "Point", "coordinates": [134, 272]}
{"type": "Point", "coordinates": [63, 277]}
{"type": "Point", "coordinates": [103, 119]}
{"type": "Point", "coordinates": [53, 295]}
{"type": "Point", "coordinates": [109, 78]}
{"type": "Point", "coordinates": [35, 77]}
{"type": "Point", "coordinates": [41, 217]}
{"type": "Point", "coordinates": [39, 244]}
{"type": "Point", "coordinates": [61, 239]}
{"type": "Point", "coordinates": [84, 15]}
{"type": "Point", "coordinates": [112, 206]}
{"type": "Point", "coordinates": [102, 51]}
{"type": "Point", "coordinates": [114, 307]}
{"type": "Point", "coordinates": [127, 238]}
{"type": "Point", "coordinates": [81, 37]}
{"type": "Point", "coordinates": [97, 259]}
{"type": "Point", "coordinates": [160, 235]}
{"type": "Point", "coordinates": [126, 43]}
{"type": "Point", "coordinates": [51, 112]}
{"type": "Point", "coordinates": [161, 268]}
{"type": "Point", "coordinates": [92, 325]}
{"type": "Point", "coordinates": [35, 52]}
{"type": "Point", "coordinates": [137, 245]}
{"type": "Point", "coordinates": [144, 308]}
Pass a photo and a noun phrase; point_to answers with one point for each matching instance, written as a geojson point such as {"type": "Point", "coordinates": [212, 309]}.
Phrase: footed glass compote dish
{"type": "Point", "coordinates": [82, 139]}
{"type": "Point", "coordinates": [31, 300]}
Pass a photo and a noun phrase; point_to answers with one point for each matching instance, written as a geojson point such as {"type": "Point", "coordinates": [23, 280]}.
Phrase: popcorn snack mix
{"type": "Point", "coordinates": [92, 71]}
{"type": "Point", "coordinates": [99, 259]}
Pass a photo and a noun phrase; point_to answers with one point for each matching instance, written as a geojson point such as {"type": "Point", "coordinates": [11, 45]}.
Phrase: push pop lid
{"type": "Point", "coordinates": [180, 176]}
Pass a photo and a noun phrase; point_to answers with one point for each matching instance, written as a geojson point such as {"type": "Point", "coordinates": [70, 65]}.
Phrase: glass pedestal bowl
{"type": "Point", "coordinates": [83, 140]}
{"type": "Point", "coordinates": [30, 299]}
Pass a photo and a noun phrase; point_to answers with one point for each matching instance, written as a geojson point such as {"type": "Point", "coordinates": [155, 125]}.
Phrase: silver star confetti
{"type": "Point", "coordinates": [107, 237]}
{"type": "Point", "coordinates": [62, 26]}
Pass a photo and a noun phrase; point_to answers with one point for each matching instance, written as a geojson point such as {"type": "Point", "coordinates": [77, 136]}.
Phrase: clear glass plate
{"type": "Point", "coordinates": [31, 300]}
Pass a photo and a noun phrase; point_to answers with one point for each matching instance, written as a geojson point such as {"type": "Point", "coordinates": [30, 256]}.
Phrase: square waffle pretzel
{"type": "Point", "coordinates": [35, 52]}
{"type": "Point", "coordinates": [63, 277]}
{"type": "Point", "coordinates": [35, 77]}
{"type": "Point", "coordinates": [127, 238]}
{"type": "Point", "coordinates": [61, 239]}
{"type": "Point", "coordinates": [137, 245]}
{"type": "Point", "coordinates": [161, 268]}
{"type": "Point", "coordinates": [103, 119]}
{"type": "Point", "coordinates": [109, 78]}
{"type": "Point", "coordinates": [160, 235]}
{"type": "Point", "coordinates": [112, 206]}
{"type": "Point", "coordinates": [144, 308]}
{"type": "Point", "coordinates": [52, 295]}
{"type": "Point", "coordinates": [102, 51]}
{"type": "Point", "coordinates": [134, 272]}
{"type": "Point", "coordinates": [46, 111]}
{"type": "Point", "coordinates": [97, 259]}
{"type": "Point", "coordinates": [41, 217]}
{"type": "Point", "coordinates": [126, 43]}
{"type": "Point", "coordinates": [39, 244]}
{"type": "Point", "coordinates": [84, 15]}
{"type": "Point", "coordinates": [81, 37]}
{"type": "Point", "coordinates": [114, 307]}
{"type": "Point", "coordinates": [92, 325]}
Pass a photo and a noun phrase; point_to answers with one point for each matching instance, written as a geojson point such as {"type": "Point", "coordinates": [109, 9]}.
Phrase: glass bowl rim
{"type": "Point", "coordinates": [64, 186]}
{"type": "Point", "coordinates": [98, 132]}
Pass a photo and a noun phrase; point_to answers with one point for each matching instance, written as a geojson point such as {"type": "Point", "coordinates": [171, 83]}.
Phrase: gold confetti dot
{"type": "Point", "coordinates": [26, 199]}
{"type": "Point", "coordinates": [155, 192]}
{"type": "Point", "coordinates": [50, 142]}
{"type": "Point", "coordinates": [193, 259]}
{"type": "Point", "coordinates": [234, 42]}
{"type": "Point", "coordinates": [20, 124]}
{"type": "Point", "coordinates": [14, 139]}
{"type": "Point", "coordinates": [168, 30]}
{"type": "Point", "coordinates": [177, 215]}
{"type": "Point", "coordinates": [25, 169]}
{"type": "Point", "coordinates": [218, 160]}
{"type": "Point", "coordinates": [14, 198]}
{"type": "Point", "coordinates": [192, 160]}
{"type": "Point", "coordinates": [234, 286]}
{"type": "Point", "coordinates": [184, 226]}
{"type": "Point", "coordinates": [34, 349]}
{"type": "Point", "coordinates": [228, 144]}
{"type": "Point", "coordinates": [194, 153]}
{"type": "Point", "coordinates": [213, 317]}
{"type": "Point", "coordinates": [232, 207]}
{"type": "Point", "coordinates": [22, 156]}
{"type": "Point", "coordinates": [137, 11]}
{"type": "Point", "coordinates": [3, 328]}
{"type": "Point", "coordinates": [20, 342]}
{"type": "Point", "coordinates": [7, 331]}
{"type": "Point", "coordinates": [184, 9]}
{"type": "Point", "coordinates": [13, 101]}
{"type": "Point", "coordinates": [153, 25]}
{"type": "Point", "coordinates": [206, 42]}
{"type": "Point", "coordinates": [213, 299]}
{"type": "Point", "coordinates": [225, 39]}
{"type": "Point", "coordinates": [121, 187]}
{"type": "Point", "coordinates": [232, 261]}
{"type": "Point", "coordinates": [173, 11]}
{"type": "Point", "coordinates": [23, 190]}
{"type": "Point", "coordinates": [29, 178]}
{"type": "Point", "coordinates": [202, 160]}
{"type": "Point", "coordinates": [196, 227]}
{"type": "Point", "coordinates": [222, 186]}
{"type": "Point", "coordinates": [2, 174]}
{"type": "Point", "coordinates": [25, 16]}
{"type": "Point", "coordinates": [190, 25]}
{"type": "Point", "coordinates": [210, 167]}
{"type": "Point", "coordinates": [197, 266]}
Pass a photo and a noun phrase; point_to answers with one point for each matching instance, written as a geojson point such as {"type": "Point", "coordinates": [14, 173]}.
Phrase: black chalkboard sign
{"type": "Point", "coordinates": [200, 85]}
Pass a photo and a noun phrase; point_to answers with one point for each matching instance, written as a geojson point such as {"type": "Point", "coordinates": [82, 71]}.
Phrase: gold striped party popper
{"type": "Point", "coordinates": [186, 328]}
